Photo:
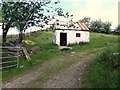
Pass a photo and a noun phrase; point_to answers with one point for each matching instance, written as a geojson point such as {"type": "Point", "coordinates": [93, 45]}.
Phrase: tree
{"type": "Point", "coordinates": [96, 26]}
{"type": "Point", "coordinates": [86, 21]}
{"type": "Point", "coordinates": [106, 27]}
{"type": "Point", "coordinates": [101, 27]}
{"type": "Point", "coordinates": [117, 30]}
{"type": "Point", "coordinates": [25, 14]}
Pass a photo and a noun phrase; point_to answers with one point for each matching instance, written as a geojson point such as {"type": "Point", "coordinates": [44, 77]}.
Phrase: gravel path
{"type": "Point", "coordinates": [70, 77]}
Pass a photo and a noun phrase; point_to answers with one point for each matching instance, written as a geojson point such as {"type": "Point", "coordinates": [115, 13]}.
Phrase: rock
{"type": "Point", "coordinates": [64, 47]}
{"type": "Point", "coordinates": [57, 77]}
{"type": "Point", "coordinates": [44, 84]}
{"type": "Point", "coordinates": [63, 86]}
{"type": "Point", "coordinates": [73, 52]}
{"type": "Point", "coordinates": [85, 65]}
{"type": "Point", "coordinates": [79, 79]}
{"type": "Point", "coordinates": [7, 84]}
{"type": "Point", "coordinates": [53, 84]}
{"type": "Point", "coordinates": [35, 49]}
{"type": "Point", "coordinates": [51, 80]}
{"type": "Point", "coordinates": [80, 74]}
{"type": "Point", "coordinates": [36, 72]}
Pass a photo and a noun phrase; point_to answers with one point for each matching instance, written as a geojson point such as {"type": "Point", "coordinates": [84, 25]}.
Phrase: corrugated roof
{"type": "Point", "coordinates": [82, 26]}
{"type": "Point", "coordinates": [76, 26]}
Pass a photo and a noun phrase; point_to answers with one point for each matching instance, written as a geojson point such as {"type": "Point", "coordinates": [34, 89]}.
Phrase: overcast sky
{"type": "Point", "coordinates": [106, 10]}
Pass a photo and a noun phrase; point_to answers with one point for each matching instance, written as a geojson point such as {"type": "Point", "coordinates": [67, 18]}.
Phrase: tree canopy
{"type": "Point", "coordinates": [86, 21]}
{"type": "Point", "coordinates": [25, 14]}
{"type": "Point", "coordinates": [99, 26]}
{"type": "Point", "coordinates": [117, 30]}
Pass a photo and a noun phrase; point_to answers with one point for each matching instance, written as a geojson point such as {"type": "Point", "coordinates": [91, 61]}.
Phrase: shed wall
{"type": "Point", "coordinates": [71, 36]}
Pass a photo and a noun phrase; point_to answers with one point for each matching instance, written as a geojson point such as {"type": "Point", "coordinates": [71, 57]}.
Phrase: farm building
{"type": "Point", "coordinates": [72, 33]}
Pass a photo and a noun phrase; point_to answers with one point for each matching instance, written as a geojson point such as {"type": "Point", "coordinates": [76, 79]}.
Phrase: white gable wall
{"type": "Point", "coordinates": [71, 36]}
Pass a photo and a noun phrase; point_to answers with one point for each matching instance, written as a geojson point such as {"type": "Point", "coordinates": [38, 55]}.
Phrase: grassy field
{"type": "Point", "coordinates": [99, 41]}
{"type": "Point", "coordinates": [104, 70]}
{"type": "Point", "coordinates": [49, 50]}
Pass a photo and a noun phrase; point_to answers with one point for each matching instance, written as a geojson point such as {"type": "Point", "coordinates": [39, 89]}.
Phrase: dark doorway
{"type": "Point", "coordinates": [63, 39]}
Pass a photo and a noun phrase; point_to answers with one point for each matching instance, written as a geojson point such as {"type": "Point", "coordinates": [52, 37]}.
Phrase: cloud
{"type": "Point", "coordinates": [75, 3]}
{"type": "Point", "coordinates": [99, 9]}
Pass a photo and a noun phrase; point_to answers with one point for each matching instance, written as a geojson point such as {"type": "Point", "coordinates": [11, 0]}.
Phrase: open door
{"type": "Point", "coordinates": [63, 39]}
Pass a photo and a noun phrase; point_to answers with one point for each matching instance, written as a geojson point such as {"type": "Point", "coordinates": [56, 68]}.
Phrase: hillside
{"type": "Point", "coordinates": [57, 61]}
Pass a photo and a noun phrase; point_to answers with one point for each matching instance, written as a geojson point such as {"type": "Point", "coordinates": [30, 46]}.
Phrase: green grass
{"type": "Point", "coordinates": [98, 41]}
{"type": "Point", "coordinates": [102, 73]}
{"type": "Point", "coordinates": [49, 50]}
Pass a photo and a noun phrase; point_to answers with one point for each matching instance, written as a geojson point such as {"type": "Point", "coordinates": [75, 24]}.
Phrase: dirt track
{"type": "Point", "coordinates": [70, 75]}
{"type": "Point", "coordinates": [69, 78]}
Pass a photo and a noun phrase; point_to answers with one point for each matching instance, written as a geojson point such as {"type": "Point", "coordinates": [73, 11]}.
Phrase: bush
{"type": "Point", "coordinates": [109, 59]}
{"type": "Point", "coordinates": [104, 71]}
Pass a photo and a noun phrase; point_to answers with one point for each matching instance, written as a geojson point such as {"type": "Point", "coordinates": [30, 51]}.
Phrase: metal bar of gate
{"type": "Point", "coordinates": [7, 57]}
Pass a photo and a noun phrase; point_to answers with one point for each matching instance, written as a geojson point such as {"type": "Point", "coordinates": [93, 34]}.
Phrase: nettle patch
{"type": "Point", "coordinates": [109, 59]}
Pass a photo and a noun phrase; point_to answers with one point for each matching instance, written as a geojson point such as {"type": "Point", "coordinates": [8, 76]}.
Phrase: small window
{"type": "Point", "coordinates": [77, 34]}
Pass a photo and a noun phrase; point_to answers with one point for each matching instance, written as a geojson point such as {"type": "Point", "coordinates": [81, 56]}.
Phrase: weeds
{"type": "Point", "coordinates": [102, 72]}
{"type": "Point", "coordinates": [109, 59]}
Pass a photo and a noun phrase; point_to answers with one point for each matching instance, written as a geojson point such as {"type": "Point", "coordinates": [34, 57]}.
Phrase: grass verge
{"type": "Point", "coordinates": [102, 72]}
